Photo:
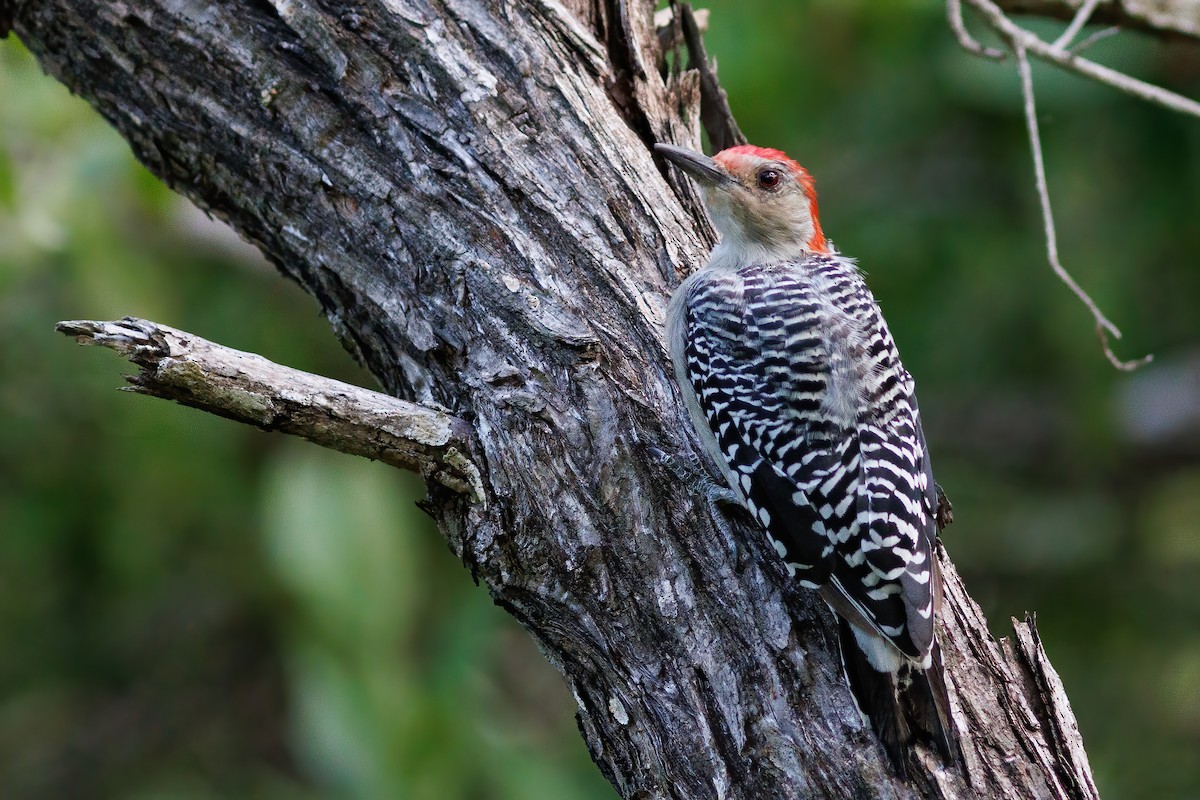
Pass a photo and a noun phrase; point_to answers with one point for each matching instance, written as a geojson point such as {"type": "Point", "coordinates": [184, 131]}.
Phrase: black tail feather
{"type": "Point", "coordinates": [901, 708]}
{"type": "Point", "coordinates": [929, 702]}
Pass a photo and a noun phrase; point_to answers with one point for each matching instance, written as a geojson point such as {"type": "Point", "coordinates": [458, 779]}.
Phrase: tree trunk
{"type": "Point", "coordinates": [467, 188]}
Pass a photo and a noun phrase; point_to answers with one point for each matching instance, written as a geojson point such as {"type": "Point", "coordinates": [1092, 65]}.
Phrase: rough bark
{"type": "Point", "coordinates": [1159, 17]}
{"type": "Point", "coordinates": [248, 388]}
{"type": "Point", "coordinates": [467, 188]}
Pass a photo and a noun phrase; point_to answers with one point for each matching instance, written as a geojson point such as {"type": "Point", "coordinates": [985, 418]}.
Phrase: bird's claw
{"type": "Point", "coordinates": [689, 470]}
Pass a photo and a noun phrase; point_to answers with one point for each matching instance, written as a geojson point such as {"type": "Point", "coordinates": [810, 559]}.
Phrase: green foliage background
{"type": "Point", "coordinates": [193, 609]}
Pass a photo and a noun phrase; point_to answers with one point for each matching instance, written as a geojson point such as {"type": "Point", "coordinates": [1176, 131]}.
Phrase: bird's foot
{"type": "Point", "coordinates": [721, 501]}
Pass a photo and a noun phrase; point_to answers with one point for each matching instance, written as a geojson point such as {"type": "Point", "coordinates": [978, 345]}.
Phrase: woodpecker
{"type": "Point", "coordinates": [796, 389]}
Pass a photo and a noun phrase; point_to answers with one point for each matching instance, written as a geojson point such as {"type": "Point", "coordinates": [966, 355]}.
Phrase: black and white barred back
{"type": "Point", "coordinates": [814, 421]}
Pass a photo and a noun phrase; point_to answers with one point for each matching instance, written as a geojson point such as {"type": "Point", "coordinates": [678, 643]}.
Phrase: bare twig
{"type": "Point", "coordinates": [1023, 43]}
{"type": "Point", "coordinates": [1033, 44]}
{"type": "Point", "coordinates": [1104, 327]}
{"type": "Point", "coordinates": [1081, 18]}
{"type": "Point", "coordinates": [248, 388]}
{"type": "Point", "coordinates": [954, 17]}
{"type": "Point", "coordinates": [1099, 35]}
{"type": "Point", "coordinates": [1165, 19]}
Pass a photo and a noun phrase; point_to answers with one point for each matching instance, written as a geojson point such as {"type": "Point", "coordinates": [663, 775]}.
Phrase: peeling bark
{"type": "Point", "coordinates": [467, 189]}
{"type": "Point", "coordinates": [248, 388]}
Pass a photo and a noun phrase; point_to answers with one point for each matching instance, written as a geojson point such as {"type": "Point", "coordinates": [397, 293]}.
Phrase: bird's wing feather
{"type": "Point", "coordinates": [840, 502]}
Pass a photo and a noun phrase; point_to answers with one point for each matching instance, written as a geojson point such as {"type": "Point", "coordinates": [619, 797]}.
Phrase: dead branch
{"type": "Point", "coordinates": [248, 388]}
{"type": "Point", "coordinates": [1071, 61]}
{"type": "Point", "coordinates": [1086, 9]}
{"type": "Point", "coordinates": [1023, 42]}
{"type": "Point", "coordinates": [1166, 18]}
{"type": "Point", "coordinates": [1104, 326]}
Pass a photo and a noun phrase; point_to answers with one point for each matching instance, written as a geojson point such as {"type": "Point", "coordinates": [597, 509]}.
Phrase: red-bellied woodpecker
{"type": "Point", "coordinates": [796, 389]}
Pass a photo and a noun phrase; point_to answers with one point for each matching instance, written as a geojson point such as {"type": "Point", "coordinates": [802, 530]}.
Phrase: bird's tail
{"type": "Point", "coordinates": [901, 707]}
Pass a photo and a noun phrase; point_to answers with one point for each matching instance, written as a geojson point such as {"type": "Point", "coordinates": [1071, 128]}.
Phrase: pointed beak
{"type": "Point", "coordinates": [698, 165]}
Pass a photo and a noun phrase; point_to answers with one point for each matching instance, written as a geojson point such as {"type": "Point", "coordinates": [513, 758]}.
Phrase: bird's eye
{"type": "Point", "coordinates": [769, 178]}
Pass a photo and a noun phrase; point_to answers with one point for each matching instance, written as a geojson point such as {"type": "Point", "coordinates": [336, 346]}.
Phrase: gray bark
{"type": "Point", "coordinates": [467, 189]}
{"type": "Point", "coordinates": [248, 388]}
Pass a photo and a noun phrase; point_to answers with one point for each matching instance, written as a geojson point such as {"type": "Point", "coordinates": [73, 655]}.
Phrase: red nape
{"type": "Point", "coordinates": [817, 242]}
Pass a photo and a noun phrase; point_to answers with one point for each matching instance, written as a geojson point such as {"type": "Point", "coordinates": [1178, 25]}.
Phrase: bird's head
{"type": "Point", "coordinates": [761, 201]}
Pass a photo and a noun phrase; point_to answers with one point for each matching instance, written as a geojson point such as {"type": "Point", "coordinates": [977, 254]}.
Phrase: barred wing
{"type": "Point", "coordinates": [820, 435]}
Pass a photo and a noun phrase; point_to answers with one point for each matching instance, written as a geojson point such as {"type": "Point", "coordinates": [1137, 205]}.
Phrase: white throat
{"type": "Point", "coordinates": [741, 246]}
{"type": "Point", "coordinates": [731, 254]}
